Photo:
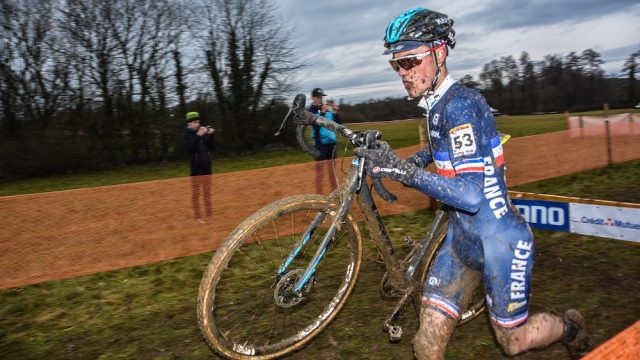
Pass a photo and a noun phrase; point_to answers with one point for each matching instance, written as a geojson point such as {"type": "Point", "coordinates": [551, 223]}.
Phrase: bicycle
{"type": "Point", "coordinates": [298, 261]}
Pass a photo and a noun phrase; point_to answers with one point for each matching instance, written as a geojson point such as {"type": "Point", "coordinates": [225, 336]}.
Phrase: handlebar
{"type": "Point", "coordinates": [305, 118]}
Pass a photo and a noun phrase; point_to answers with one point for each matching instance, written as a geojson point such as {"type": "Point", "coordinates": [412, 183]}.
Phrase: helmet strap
{"type": "Point", "coordinates": [436, 78]}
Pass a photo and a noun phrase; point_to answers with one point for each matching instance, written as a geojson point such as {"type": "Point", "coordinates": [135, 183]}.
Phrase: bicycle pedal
{"type": "Point", "coordinates": [395, 333]}
{"type": "Point", "coordinates": [409, 240]}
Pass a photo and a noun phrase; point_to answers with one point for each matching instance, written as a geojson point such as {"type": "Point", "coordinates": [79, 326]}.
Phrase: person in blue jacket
{"type": "Point", "coordinates": [324, 140]}
{"type": "Point", "coordinates": [487, 239]}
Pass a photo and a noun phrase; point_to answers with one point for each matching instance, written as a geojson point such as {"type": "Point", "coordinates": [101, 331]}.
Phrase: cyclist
{"type": "Point", "coordinates": [487, 239]}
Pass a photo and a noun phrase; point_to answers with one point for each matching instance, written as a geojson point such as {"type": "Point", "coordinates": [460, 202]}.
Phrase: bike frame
{"type": "Point", "coordinates": [352, 188]}
{"type": "Point", "coordinates": [401, 273]}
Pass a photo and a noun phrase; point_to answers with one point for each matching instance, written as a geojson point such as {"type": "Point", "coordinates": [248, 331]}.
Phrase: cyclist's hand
{"type": "Point", "coordinates": [383, 162]}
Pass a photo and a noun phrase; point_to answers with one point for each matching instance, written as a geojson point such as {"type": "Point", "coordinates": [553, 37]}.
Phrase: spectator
{"type": "Point", "coordinates": [198, 141]}
{"type": "Point", "coordinates": [334, 107]}
{"type": "Point", "coordinates": [324, 140]}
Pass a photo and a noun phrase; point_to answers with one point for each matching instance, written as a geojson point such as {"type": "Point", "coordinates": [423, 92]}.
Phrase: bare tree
{"type": "Point", "coordinates": [492, 78]}
{"type": "Point", "coordinates": [591, 62]}
{"type": "Point", "coordinates": [146, 33]}
{"type": "Point", "coordinates": [122, 53]}
{"type": "Point", "coordinates": [250, 59]}
{"type": "Point", "coordinates": [181, 88]}
{"type": "Point", "coordinates": [92, 47]}
{"type": "Point", "coordinates": [630, 69]}
{"type": "Point", "coordinates": [528, 83]}
{"type": "Point", "coordinates": [33, 79]}
{"type": "Point", "coordinates": [8, 77]}
{"type": "Point", "coordinates": [512, 78]}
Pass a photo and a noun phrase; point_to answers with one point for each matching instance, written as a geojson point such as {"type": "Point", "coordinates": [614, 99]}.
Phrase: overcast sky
{"type": "Point", "coordinates": [342, 39]}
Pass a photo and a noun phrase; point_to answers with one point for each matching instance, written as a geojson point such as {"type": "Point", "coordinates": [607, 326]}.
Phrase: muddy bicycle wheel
{"type": "Point", "coordinates": [476, 304]}
{"type": "Point", "coordinates": [245, 310]}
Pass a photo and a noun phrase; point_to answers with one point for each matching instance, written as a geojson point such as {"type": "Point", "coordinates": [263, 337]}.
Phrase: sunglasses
{"type": "Point", "coordinates": [410, 61]}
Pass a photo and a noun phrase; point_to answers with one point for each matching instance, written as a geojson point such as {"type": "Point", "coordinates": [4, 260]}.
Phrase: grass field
{"type": "Point", "coordinates": [148, 312]}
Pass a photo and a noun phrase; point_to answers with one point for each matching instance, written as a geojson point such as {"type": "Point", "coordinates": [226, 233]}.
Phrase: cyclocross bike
{"type": "Point", "coordinates": [286, 271]}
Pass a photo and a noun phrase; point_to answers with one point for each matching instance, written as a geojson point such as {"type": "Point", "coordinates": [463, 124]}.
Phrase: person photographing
{"type": "Point", "coordinates": [198, 142]}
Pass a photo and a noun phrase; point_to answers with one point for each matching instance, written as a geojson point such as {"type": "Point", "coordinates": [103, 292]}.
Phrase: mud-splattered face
{"type": "Point", "coordinates": [417, 80]}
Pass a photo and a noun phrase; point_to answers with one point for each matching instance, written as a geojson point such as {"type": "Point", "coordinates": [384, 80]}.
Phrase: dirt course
{"type": "Point", "coordinates": [63, 234]}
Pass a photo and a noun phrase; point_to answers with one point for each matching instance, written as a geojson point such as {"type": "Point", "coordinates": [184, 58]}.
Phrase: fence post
{"type": "Point", "coordinates": [581, 125]}
{"type": "Point", "coordinates": [608, 135]}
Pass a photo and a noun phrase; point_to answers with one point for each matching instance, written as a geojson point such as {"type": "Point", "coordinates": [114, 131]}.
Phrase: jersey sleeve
{"type": "Point", "coordinates": [458, 181]}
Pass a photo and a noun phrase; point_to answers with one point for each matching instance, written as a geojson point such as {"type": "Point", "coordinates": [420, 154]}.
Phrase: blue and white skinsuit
{"type": "Point", "coordinates": [486, 233]}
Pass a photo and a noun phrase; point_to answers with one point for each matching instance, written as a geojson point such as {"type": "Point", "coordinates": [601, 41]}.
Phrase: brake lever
{"type": "Point", "coordinates": [284, 122]}
{"type": "Point", "coordinates": [296, 109]}
{"type": "Point", "coordinates": [369, 139]}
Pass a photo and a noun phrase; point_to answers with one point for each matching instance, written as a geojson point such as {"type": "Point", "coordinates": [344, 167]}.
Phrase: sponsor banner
{"type": "Point", "coordinates": [542, 214]}
{"type": "Point", "coordinates": [606, 221]}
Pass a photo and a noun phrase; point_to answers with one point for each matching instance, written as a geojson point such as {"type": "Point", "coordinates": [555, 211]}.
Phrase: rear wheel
{"type": "Point", "coordinates": [246, 310]}
{"type": "Point", "coordinates": [476, 305]}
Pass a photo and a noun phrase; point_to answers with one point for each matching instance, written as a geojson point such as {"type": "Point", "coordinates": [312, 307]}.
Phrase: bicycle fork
{"type": "Point", "coordinates": [342, 212]}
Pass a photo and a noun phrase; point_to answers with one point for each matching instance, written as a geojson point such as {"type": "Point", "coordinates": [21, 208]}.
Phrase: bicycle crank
{"type": "Point", "coordinates": [395, 331]}
{"type": "Point", "coordinates": [284, 295]}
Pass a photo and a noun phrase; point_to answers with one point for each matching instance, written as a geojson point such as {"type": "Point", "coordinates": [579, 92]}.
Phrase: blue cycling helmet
{"type": "Point", "coordinates": [417, 27]}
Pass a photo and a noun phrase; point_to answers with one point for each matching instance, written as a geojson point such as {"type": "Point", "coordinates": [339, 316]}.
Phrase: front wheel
{"type": "Point", "coordinates": [246, 306]}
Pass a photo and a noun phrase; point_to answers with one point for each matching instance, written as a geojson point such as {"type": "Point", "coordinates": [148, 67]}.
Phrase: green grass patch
{"type": "Point", "coordinates": [616, 182]}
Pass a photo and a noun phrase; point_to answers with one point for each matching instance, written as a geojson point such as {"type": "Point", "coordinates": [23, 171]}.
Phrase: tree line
{"type": "Point", "coordinates": [573, 82]}
{"type": "Point", "coordinates": [95, 84]}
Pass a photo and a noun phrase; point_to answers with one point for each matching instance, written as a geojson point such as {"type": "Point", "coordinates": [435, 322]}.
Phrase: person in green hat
{"type": "Point", "coordinates": [198, 141]}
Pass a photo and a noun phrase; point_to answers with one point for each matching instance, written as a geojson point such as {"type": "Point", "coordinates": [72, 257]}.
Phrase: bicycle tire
{"type": "Point", "coordinates": [477, 304]}
{"type": "Point", "coordinates": [234, 319]}
{"type": "Point", "coordinates": [301, 137]}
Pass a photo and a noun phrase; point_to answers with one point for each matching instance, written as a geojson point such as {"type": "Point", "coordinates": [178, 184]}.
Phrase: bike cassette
{"type": "Point", "coordinates": [284, 295]}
